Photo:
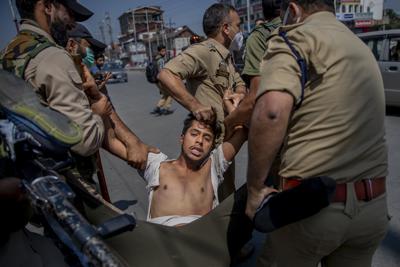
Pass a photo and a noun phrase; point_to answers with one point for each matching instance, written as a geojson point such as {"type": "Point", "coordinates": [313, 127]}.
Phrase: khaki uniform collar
{"type": "Point", "coordinates": [222, 50]}
{"type": "Point", "coordinates": [32, 25]}
{"type": "Point", "coordinates": [318, 16]}
{"type": "Point", "coordinates": [275, 21]}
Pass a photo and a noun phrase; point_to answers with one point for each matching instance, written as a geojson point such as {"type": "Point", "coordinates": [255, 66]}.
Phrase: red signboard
{"type": "Point", "coordinates": [348, 1]}
{"type": "Point", "coordinates": [363, 23]}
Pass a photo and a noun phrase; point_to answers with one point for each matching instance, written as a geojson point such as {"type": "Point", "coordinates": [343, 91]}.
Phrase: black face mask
{"type": "Point", "coordinates": [58, 30]}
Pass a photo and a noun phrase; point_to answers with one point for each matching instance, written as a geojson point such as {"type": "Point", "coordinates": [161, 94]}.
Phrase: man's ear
{"type": "Point", "coordinates": [225, 28]}
{"type": "Point", "coordinates": [48, 7]}
{"type": "Point", "coordinates": [72, 46]}
{"type": "Point", "coordinates": [296, 11]}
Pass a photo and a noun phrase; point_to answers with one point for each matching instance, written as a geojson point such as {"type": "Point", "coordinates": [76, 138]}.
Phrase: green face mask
{"type": "Point", "coordinates": [88, 60]}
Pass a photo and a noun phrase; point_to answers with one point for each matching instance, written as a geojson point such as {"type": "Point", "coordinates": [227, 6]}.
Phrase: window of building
{"type": "Point", "coordinates": [343, 9]}
{"type": "Point", "coordinates": [361, 9]}
{"type": "Point", "coordinates": [337, 8]}
{"type": "Point", "coordinates": [350, 8]}
{"type": "Point", "coordinates": [356, 9]}
{"type": "Point", "coordinates": [251, 17]}
{"type": "Point", "coordinates": [368, 9]}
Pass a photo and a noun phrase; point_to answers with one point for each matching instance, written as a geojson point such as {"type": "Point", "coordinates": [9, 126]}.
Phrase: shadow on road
{"type": "Point", "coordinates": [391, 242]}
{"type": "Point", "coordinates": [124, 204]}
{"type": "Point", "coordinates": [393, 111]}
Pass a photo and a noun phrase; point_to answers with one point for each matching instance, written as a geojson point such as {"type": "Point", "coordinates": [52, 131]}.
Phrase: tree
{"type": "Point", "coordinates": [394, 19]}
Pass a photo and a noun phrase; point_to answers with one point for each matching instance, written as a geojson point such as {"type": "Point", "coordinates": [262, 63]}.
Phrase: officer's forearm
{"type": "Point", "coordinates": [254, 83]}
{"type": "Point", "coordinates": [175, 86]}
{"type": "Point", "coordinates": [268, 127]}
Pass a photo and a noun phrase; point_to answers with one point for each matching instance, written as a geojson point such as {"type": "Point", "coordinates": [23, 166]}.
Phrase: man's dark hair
{"type": "Point", "coordinates": [99, 55]}
{"type": "Point", "coordinates": [215, 16]}
{"type": "Point", "coordinates": [26, 8]}
{"type": "Point", "coordinates": [188, 122]}
{"type": "Point", "coordinates": [271, 8]}
{"type": "Point", "coordinates": [160, 47]}
{"type": "Point", "coordinates": [312, 6]}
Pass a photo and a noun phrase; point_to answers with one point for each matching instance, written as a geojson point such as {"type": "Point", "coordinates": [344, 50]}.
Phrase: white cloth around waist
{"type": "Point", "coordinates": [174, 220]}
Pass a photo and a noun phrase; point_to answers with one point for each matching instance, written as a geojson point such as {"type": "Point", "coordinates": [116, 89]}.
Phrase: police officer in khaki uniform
{"type": "Point", "coordinates": [256, 45]}
{"type": "Point", "coordinates": [334, 127]}
{"type": "Point", "coordinates": [37, 55]}
{"type": "Point", "coordinates": [208, 70]}
{"type": "Point", "coordinates": [119, 139]}
{"type": "Point", "coordinates": [52, 71]}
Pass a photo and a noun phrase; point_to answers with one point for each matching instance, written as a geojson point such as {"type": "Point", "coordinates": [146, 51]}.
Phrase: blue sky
{"type": "Point", "coordinates": [181, 12]}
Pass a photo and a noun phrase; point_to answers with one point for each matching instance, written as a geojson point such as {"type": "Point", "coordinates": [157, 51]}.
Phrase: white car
{"type": "Point", "coordinates": [385, 45]}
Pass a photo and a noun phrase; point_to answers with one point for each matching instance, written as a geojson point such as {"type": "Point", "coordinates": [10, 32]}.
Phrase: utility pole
{"type": "Point", "coordinates": [134, 31]}
{"type": "Point", "coordinates": [101, 27]}
{"type": "Point", "coordinates": [148, 34]}
{"type": "Point", "coordinates": [248, 16]}
{"type": "Point", "coordinates": [170, 24]}
{"type": "Point", "coordinates": [13, 15]}
{"type": "Point", "coordinates": [108, 20]}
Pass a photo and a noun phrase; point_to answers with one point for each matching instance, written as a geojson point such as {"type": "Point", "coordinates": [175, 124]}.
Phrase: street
{"type": "Point", "coordinates": [135, 99]}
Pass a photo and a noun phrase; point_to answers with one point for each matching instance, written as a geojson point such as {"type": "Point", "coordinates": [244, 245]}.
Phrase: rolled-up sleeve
{"type": "Point", "coordinates": [59, 80]}
{"type": "Point", "coordinates": [189, 63]}
{"type": "Point", "coordinates": [279, 70]}
{"type": "Point", "coordinates": [255, 48]}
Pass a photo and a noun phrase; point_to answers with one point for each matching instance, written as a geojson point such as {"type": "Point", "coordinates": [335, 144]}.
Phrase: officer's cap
{"type": "Point", "coordinates": [80, 31]}
{"type": "Point", "coordinates": [80, 12]}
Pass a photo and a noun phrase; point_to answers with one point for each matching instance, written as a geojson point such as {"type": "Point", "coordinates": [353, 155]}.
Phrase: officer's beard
{"type": "Point", "coordinates": [58, 30]}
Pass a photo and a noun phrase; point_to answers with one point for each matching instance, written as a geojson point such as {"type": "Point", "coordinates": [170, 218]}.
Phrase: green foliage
{"type": "Point", "coordinates": [394, 19]}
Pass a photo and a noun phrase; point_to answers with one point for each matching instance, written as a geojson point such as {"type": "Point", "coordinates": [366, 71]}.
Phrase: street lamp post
{"type": "Point", "coordinates": [148, 33]}
{"type": "Point", "coordinates": [248, 15]}
{"type": "Point", "coordinates": [134, 32]}
{"type": "Point", "coordinates": [13, 15]}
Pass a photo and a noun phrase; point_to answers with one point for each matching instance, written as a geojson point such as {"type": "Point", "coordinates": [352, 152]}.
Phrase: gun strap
{"type": "Point", "coordinates": [302, 64]}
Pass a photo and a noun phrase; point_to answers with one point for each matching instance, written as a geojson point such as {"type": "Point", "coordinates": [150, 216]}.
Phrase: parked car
{"type": "Point", "coordinates": [117, 70]}
{"type": "Point", "coordinates": [385, 45]}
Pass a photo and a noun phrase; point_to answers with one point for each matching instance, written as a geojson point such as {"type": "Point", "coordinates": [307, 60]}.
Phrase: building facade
{"type": "Point", "coordinates": [143, 30]}
{"type": "Point", "coordinates": [255, 12]}
{"type": "Point", "coordinates": [141, 27]}
{"type": "Point", "coordinates": [360, 14]}
{"type": "Point", "coordinates": [354, 13]}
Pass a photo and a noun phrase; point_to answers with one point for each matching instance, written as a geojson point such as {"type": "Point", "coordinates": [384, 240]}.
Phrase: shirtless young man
{"type": "Point", "coordinates": [184, 189]}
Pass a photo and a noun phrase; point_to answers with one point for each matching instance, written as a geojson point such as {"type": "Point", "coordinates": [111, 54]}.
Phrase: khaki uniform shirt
{"type": "Point", "coordinates": [54, 76]}
{"type": "Point", "coordinates": [339, 129]}
{"type": "Point", "coordinates": [208, 69]}
{"type": "Point", "coordinates": [256, 45]}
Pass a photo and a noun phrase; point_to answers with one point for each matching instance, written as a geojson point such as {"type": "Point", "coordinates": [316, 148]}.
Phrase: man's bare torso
{"type": "Point", "coordinates": [182, 191]}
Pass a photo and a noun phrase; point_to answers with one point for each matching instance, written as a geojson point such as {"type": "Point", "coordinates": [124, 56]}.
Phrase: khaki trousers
{"type": "Point", "coordinates": [24, 248]}
{"type": "Point", "coordinates": [341, 235]}
{"type": "Point", "coordinates": [211, 240]}
{"type": "Point", "coordinates": [166, 99]}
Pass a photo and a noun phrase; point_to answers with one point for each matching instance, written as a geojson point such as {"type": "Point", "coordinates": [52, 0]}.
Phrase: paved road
{"type": "Point", "coordinates": [135, 99]}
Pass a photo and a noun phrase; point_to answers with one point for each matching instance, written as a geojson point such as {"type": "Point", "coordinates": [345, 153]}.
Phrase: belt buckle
{"type": "Point", "coordinates": [369, 193]}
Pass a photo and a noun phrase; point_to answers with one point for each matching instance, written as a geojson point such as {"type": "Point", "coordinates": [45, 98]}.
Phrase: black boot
{"type": "Point", "coordinates": [156, 110]}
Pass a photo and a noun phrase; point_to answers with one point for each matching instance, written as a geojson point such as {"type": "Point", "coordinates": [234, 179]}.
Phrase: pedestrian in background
{"type": "Point", "coordinates": [163, 106]}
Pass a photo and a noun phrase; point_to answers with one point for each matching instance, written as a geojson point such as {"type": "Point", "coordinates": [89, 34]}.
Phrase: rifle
{"type": "Point", "coordinates": [35, 142]}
